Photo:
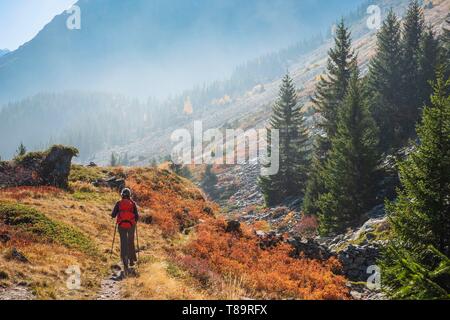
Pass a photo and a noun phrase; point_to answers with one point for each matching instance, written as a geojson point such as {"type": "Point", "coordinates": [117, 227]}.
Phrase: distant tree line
{"type": "Point", "coordinates": [89, 121]}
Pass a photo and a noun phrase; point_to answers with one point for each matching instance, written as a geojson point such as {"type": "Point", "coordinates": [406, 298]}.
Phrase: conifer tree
{"type": "Point", "coordinates": [428, 60]}
{"type": "Point", "coordinates": [21, 150]}
{"type": "Point", "coordinates": [332, 88]}
{"type": "Point", "coordinates": [114, 161]}
{"type": "Point", "coordinates": [314, 186]}
{"type": "Point", "coordinates": [175, 167]}
{"type": "Point", "coordinates": [384, 83]}
{"type": "Point", "coordinates": [185, 172]}
{"type": "Point", "coordinates": [416, 262]}
{"type": "Point", "coordinates": [412, 32]}
{"type": "Point", "coordinates": [445, 40]}
{"type": "Point", "coordinates": [209, 181]}
{"type": "Point", "coordinates": [330, 93]}
{"type": "Point", "coordinates": [125, 161]}
{"type": "Point", "coordinates": [294, 157]}
{"type": "Point", "coordinates": [350, 170]}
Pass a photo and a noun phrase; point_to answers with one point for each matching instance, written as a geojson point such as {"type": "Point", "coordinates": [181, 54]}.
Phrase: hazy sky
{"type": "Point", "coordinates": [21, 20]}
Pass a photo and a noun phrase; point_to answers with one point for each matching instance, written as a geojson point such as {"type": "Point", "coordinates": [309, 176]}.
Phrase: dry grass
{"type": "Point", "coordinates": [87, 209]}
{"type": "Point", "coordinates": [48, 260]}
{"type": "Point", "coordinates": [184, 254]}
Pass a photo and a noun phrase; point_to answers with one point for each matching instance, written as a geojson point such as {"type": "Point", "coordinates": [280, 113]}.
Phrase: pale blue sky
{"type": "Point", "coordinates": [21, 20]}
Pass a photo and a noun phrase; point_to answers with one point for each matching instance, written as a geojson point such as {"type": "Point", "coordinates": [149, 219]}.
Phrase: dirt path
{"type": "Point", "coordinates": [16, 293]}
{"type": "Point", "coordinates": [111, 287]}
{"type": "Point", "coordinates": [110, 290]}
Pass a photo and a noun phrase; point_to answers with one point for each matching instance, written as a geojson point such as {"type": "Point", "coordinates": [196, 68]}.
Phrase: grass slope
{"type": "Point", "coordinates": [185, 252]}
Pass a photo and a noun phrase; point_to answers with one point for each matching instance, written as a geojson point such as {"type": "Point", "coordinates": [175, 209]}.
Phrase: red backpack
{"type": "Point", "coordinates": [126, 218]}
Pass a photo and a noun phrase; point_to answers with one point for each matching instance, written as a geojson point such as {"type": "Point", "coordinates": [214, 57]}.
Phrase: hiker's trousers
{"type": "Point", "coordinates": [127, 248]}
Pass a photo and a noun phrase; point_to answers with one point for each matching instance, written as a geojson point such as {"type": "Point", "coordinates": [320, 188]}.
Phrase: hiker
{"type": "Point", "coordinates": [127, 216]}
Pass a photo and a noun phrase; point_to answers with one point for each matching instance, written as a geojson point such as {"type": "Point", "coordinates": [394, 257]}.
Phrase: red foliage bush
{"type": "Point", "coordinates": [307, 227]}
{"type": "Point", "coordinates": [174, 206]}
{"type": "Point", "coordinates": [200, 269]}
{"type": "Point", "coordinates": [215, 254]}
{"type": "Point", "coordinates": [272, 273]}
{"type": "Point", "coordinates": [20, 193]}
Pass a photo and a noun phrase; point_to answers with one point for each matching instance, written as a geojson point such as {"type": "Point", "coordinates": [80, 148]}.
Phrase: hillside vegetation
{"type": "Point", "coordinates": [185, 249]}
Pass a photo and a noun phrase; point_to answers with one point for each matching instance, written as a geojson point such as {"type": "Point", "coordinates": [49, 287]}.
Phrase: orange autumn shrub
{"type": "Point", "coordinates": [261, 226]}
{"type": "Point", "coordinates": [272, 273]}
{"type": "Point", "coordinates": [20, 193]}
{"type": "Point", "coordinates": [214, 255]}
{"type": "Point", "coordinates": [307, 227]}
{"type": "Point", "coordinates": [175, 204]}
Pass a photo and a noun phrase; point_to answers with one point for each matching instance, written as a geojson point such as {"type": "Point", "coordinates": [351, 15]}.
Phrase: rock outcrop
{"type": "Point", "coordinates": [49, 168]}
{"type": "Point", "coordinates": [309, 249]}
{"type": "Point", "coordinates": [239, 187]}
{"type": "Point", "coordinates": [269, 240]}
{"type": "Point", "coordinates": [233, 226]}
{"type": "Point", "coordinates": [116, 183]}
{"type": "Point", "coordinates": [359, 249]}
{"type": "Point", "coordinates": [356, 261]}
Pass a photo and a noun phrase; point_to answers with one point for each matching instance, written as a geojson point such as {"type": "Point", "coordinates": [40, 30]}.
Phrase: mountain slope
{"type": "Point", "coordinates": [154, 47]}
{"type": "Point", "coordinates": [187, 251]}
{"type": "Point", "coordinates": [253, 108]}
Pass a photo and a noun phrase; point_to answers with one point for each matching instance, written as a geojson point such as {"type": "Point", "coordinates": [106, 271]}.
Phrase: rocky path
{"type": "Point", "coordinates": [110, 290]}
{"type": "Point", "coordinates": [16, 293]}
{"type": "Point", "coordinates": [111, 287]}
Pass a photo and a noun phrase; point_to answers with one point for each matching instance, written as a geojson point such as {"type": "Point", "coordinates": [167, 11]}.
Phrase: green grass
{"type": "Point", "coordinates": [35, 222]}
{"type": "Point", "coordinates": [87, 196]}
{"type": "Point", "coordinates": [85, 174]}
{"type": "Point", "coordinates": [31, 157]}
{"type": "Point", "coordinates": [173, 270]}
{"type": "Point", "coordinates": [98, 197]}
{"type": "Point", "coordinates": [378, 234]}
{"type": "Point", "coordinates": [381, 233]}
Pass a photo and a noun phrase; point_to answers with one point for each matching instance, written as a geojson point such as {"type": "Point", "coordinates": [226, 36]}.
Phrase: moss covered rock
{"type": "Point", "coordinates": [48, 168]}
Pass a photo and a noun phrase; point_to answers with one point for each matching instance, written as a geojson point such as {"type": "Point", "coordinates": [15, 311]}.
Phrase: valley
{"type": "Point", "coordinates": [356, 209]}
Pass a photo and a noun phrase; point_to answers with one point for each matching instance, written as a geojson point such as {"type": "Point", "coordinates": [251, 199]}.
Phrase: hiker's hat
{"type": "Point", "coordinates": [126, 193]}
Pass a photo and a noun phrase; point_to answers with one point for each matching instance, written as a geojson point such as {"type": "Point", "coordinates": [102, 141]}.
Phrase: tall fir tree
{"type": "Point", "coordinates": [315, 186]}
{"type": "Point", "coordinates": [416, 263]}
{"type": "Point", "coordinates": [445, 40]}
{"type": "Point", "coordinates": [330, 93]}
{"type": "Point", "coordinates": [209, 181]}
{"type": "Point", "coordinates": [350, 173]}
{"type": "Point", "coordinates": [384, 83]}
{"type": "Point", "coordinates": [113, 161]}
{"type": "Point", "coordinates": [21, 150]}
{"type": "Point", "coordinates": [332, 88]}
{"type": "Point", "coordinates": [294, 149]}
{"type": "Point", "coordinates": [412, 32]}
{"type": "Point", "coordinates": [428, 61]}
